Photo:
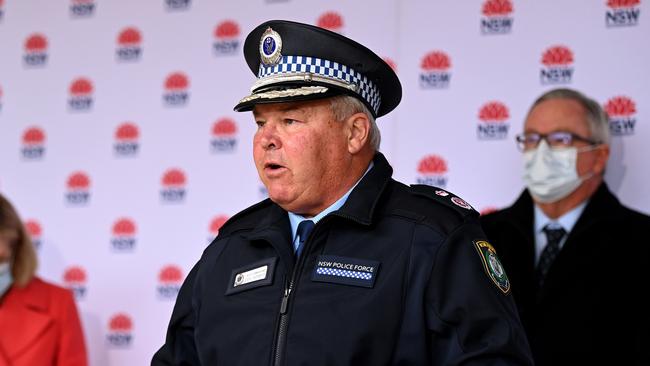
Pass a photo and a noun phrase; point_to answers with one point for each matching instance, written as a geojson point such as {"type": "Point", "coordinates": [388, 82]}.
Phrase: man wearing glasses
{"type": "Point", "coordinates": [577, 259]}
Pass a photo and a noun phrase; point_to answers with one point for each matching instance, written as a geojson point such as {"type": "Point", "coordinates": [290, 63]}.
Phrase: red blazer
{"type": "Point", "coordinates": [39, 325]}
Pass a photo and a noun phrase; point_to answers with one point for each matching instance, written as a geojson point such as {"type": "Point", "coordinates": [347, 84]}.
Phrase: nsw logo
{"type": "Point", "coordinates": [170, 279]}
{"type": "Point", "coordinates": [622, 115]}
{"type": "Point", "coordinates": [173, 186]}
{"type": "Point", "coordinates": [78, 193]}
{"type": "Point", "coordinates": [497, 17]}
{"type": "Point", "coordinates": [332, 21]}
{"type": "Point", "coordinates": [75, 279]}
{"type": "Point", "coordinates": [124, 235]}
{"type": "Point", "coordinates": [493, 121]}
{"type": "Point", "coordinates": [215, 224]}
{"type": "Point", "coordinates": [557, 65]}
{"type": "Point", "coordinates": [33, 144]}
{"type": "Point", "coordinates": [432, 170]}
{"type": "Point", "coordinates": [176, 5]}
{"type": "Point", "coordinates": [176, 90]}
{"type": "Point", "coordinates": [226, 38]}
{"type": "Point", "coordinates": [434, 72]}
{"type": "Point", "coordinates": [81, 95]}
{"type": "Point", "coordinates": [120, 331]}
{"type": "Point", "coordinates": [129, 45]}
{"type": "Point", "coordinates": [622, 13]}
{"type": "Point", "coordinates": [224, 136]}
{"type": "Point", "coordinates": [35, 50]}
{"type": "Point", "coordinates": [35, 232]}
{"type": "Point", "coordinates": [126, 140]}
{"type": "Point", "coordinates": [82, 8]}
{"type": "Point", "coordinates": [391, 63]}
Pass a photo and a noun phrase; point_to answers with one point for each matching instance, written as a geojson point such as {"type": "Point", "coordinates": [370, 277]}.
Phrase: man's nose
{"type": "Point", "coordinates": [269, 138]}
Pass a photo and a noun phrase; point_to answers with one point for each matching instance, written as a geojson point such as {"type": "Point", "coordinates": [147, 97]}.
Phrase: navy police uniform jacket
{"type": "Point", "coordinates": [592, 308]}
{"type": "Point", "coordinates": [394, 277]}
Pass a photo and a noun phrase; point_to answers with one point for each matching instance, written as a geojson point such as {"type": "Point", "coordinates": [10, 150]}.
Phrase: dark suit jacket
{"type": "Point", "coordinates": [592, 308]}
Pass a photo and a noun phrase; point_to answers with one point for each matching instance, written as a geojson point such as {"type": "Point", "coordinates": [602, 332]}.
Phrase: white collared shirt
{"type": "Point", "coordinates": [295, 219]}
{"type": "Point", "coordinates": [566, 221]}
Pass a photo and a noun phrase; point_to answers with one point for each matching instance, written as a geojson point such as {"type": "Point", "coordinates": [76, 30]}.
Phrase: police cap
{"type": "Point", "coordinates": [295, 61]}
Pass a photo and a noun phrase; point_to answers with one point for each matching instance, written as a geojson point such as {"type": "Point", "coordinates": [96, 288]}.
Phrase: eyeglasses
{"type": "Point", "coordinates": [557, 139]}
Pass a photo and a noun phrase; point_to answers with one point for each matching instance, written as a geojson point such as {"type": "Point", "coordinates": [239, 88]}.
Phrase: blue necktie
{"type": "Point", "coordinates": [304, 229]}
{"type": "Point", "coordinates": [553, 238]}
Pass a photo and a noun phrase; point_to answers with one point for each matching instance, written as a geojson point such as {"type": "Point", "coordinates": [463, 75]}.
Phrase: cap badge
{"type": "Point", "coordinates": [270, 47]}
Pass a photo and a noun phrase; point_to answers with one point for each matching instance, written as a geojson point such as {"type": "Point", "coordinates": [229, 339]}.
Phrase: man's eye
{"type": "Point", "coordinates": [259, 124]}
{"type": "Point", "coordinates": [289, 121]}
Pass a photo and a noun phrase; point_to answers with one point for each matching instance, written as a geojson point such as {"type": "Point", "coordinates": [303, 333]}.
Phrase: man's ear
{"type": "Point", "coordinates": [358, 127]}
{"type": "Point", "coordinates": [601, 159]}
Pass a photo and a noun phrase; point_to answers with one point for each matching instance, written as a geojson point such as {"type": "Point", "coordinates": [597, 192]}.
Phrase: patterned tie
{"type": "Point", "coordinates": [553, 237]}
{"type": "Point", "coordinates": [304, 229]}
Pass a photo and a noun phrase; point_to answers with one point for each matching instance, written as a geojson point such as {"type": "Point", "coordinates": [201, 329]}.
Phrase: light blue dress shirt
{"type": "Point", "coordinates": [295, 219]}
{"type": "Point", "coordinates": [566, 221]}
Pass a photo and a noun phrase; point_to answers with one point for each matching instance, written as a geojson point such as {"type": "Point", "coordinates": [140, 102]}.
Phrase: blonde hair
{"type": "Point", "coordinates": [24, 263]}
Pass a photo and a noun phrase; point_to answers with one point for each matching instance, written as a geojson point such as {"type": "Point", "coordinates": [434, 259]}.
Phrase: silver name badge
{"type": "Point", "coordinates": [250, 276]}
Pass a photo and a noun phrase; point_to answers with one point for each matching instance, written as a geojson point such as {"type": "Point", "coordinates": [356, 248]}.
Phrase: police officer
{"type": "Point", "coordinates": [342, 265]}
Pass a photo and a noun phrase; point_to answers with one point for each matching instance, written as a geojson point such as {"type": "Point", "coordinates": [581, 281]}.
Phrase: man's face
{"type": "Point", "coordinates": [565, 115]}
{"type": "Point", "coordinates": [301, 154]}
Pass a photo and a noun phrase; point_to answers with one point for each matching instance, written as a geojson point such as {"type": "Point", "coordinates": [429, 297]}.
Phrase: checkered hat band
{"type": "Point", "coordinates": [344, 273]}
{"type": "Point", "coordinates": [325, 68]}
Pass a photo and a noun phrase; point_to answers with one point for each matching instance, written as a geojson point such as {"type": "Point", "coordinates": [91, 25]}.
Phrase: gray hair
{"type": "Point", "coordinates": [343, 106]}
{"type": "Point", "coordinates": [596, 117]}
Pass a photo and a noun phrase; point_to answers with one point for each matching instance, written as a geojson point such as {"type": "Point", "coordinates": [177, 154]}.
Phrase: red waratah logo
{"type": "Point", "coordinates": [129, 37]}
{"type": "Point", "coordinates": [33, 136]}
{"type": "Point", "coordinates": [81, 87]}
{"type": "Point", "coordinates": [497, 8]}
{"type": "Point", "coordinates": [620, 106]}
{"type": "Point", "coordinates": [557, 61]}
{"type": "Point", "coordinates": [36, 43]}
{"type": "Point", "coordinates": [223, 135]}
{"type": "Point", "coordinates": [557, 56]}
{"type": "Point", "coordinates": [216, 224]}
{"type": "Point", "coordinates": [127, 132]}
{"type": "Point", "coordinates": [74, 275]}
{"type": "Point", "coordinates": [128, 42]}
{"type": "Point", "coordinates": [176, 81]}
{"type": "Point", "coordinates": [170, 275]}
{"type": "Point", "coordinates": [35, 231]}
{"type": "Point", "coordinates": [435, 61]}
{"type": "Point", "coordinates": [81, 90]}
{"type": "Point", "coordinates": [120, 327]}
{"type": "Point", "coordinates": [432, 164]}
{"type": "Point", "coordinates": [224, 127]}
{"type": "Point", "coordinates": [169, 281]}
{"type": "Point", "coordinates": [75, 279]}
{"type": "Point", "coordinates": [173, 182]}
{"type": "Point", "coordinates": [35, 50]}
{"type": "Point", "coordinates": [227, 29]}
{"type": "Point", "coordinates": [330, 21]}
{"type": "Point", "coordinates": [78, 181]}
{"type": "Point", "coordinates": [621, 111]}
{"type": "Point", "coordinates": [493, 117]}
{"type": "Point", "coordinates": [124, 227]}
{"type": "Point", "coordinates": [494, 112]}
{"type": "Point", "coordinates": [623, 3]}
{"type": "Point", "coordinates": [432, 170]}
{"type": "Point", "coordinates": [174, 178]}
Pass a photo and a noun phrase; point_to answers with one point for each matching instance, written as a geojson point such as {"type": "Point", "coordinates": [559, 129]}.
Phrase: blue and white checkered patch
{"type": "Point", "coordinates": [289, 65]}
{"type": "Point", "coordinates": [343, 273]}
{"type": "Point", "coordinates": [346, 271]}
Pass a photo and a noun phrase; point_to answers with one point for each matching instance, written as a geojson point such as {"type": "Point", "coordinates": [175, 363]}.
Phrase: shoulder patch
{"type": "Point", "coordinates": [492, 265]}
{"type": "Point", "coordinates": [444, 197]}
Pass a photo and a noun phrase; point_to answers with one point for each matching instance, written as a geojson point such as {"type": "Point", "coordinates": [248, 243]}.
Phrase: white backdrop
{"type": "Point", "coordinates": [119, 146]}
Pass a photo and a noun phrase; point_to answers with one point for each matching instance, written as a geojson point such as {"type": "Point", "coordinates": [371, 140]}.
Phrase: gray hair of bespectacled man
{"type": "Point", "coordinates": [343, 106]}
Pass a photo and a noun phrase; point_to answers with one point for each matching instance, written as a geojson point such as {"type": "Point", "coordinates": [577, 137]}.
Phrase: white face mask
{"type": "Point", "coordinates": [6, 279]}
{"type": "Point", "coordinates": [551, 174]}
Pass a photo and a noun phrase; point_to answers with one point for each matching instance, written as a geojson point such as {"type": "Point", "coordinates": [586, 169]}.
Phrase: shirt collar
{"type": "Point", "coordinates": [295, 219]}
{"type": "Point", "coordinates": [567, 221]}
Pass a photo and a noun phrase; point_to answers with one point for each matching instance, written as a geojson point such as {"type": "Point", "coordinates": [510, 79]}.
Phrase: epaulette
{"type": "Point", "coordinates": [447, 198]}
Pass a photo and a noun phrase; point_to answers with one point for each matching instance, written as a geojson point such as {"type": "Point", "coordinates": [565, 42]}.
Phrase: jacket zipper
{"type": "Point", "coordinates": [278, 349]}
